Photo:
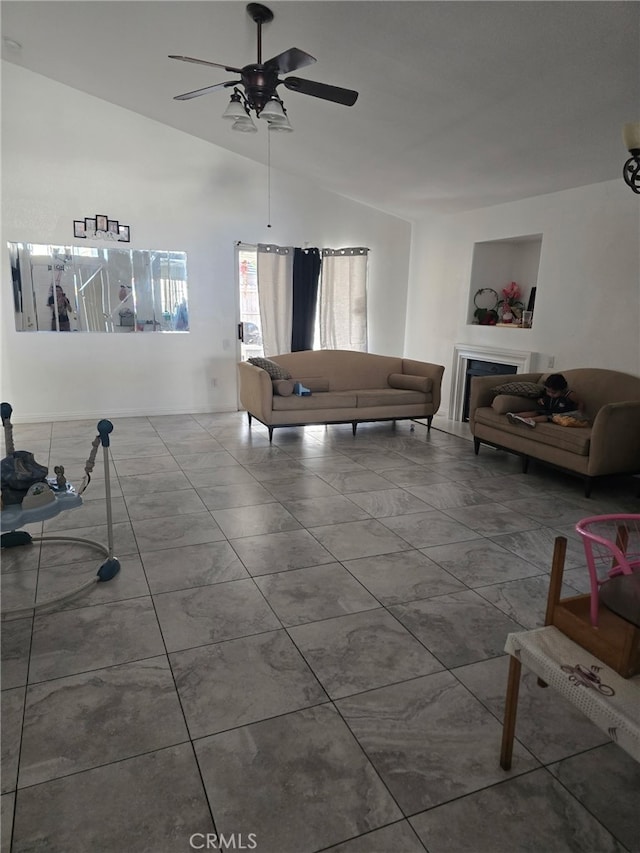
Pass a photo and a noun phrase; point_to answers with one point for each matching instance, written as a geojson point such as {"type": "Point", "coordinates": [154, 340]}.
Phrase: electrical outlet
{"type": "Point", "coordinates": [551, 361]}
{"type": "Point", "coordinates": [214, 382]}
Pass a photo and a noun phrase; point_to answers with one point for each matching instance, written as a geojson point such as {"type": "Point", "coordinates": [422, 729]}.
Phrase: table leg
{"type": "Point", "coordinates": [510, 711]}
{"type": "Point", "coordinates": [555, 584]}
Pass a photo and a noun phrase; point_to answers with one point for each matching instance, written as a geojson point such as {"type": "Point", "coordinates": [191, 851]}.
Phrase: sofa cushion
{"type": "Point", "coordinates": [319, 400]}
{"type": "Point", "coordinates": [274, 370]}
{"type": "Point", "coordinates": [504, 403]}
{"type": "Point", "coordinates": [282, 387]}
{"type": "Point", "coordinates": [520, 389]}
{"type": "Point", "coordinates": [391, 397]}
{"type": "Point", "coordinates": [410, 383]}
{"type": "Point", "coordinates": [572, 440]}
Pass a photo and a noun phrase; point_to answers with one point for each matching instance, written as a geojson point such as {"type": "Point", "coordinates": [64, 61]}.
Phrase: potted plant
{"type": "Point", "coordinates": [510, 306]}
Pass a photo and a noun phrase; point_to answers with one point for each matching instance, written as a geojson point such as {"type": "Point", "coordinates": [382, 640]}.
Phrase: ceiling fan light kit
{"type": "Point", "coordinates": [260, 80]}
{"type": "Point", "coordinates": [235, 109]}
{"type": "Point", "coordinates": [276, 116]}
{"type": "Point", "coordinates": [280, 126]}
{"type": "Point", "coordinates": [631, 170]}
{"type": "Point", "coordinates": [244, 125]}
{"type": "Point", "coordinates": [272, 110]}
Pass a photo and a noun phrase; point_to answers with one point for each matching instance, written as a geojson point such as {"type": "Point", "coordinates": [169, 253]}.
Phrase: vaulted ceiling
{"type": "Point", "coordinates": [462, 104]}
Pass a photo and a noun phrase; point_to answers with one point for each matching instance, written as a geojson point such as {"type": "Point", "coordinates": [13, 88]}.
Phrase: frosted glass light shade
{"type": "Point", "coordinates": [283, 126]}
{"type": "Point", "coordinates": [273, 111]}
{"type": "Point", "coordinates": [631, 135]}
{"type": "Point", "coordinates": [244, 125]}
{"type": "Point", "coordinates": [234, 110]}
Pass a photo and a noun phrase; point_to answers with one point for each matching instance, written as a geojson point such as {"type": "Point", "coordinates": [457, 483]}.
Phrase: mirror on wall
{"type": "Point", "coordinates": [89, 289]}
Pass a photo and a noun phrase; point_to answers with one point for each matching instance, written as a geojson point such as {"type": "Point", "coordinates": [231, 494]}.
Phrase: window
{"type": "Point", "coordinates": [247, 271]}
{"type": "Point", "coordinates": [341, 318]}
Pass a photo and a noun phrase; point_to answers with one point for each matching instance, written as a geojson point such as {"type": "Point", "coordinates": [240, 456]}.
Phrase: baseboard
{"type": "Point", "coordinates": [459, 429]}
{"type": "Point", "coordinates": [39, 417]}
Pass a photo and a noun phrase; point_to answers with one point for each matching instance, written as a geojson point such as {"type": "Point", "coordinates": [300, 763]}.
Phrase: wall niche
{"type": "Point", "coordinates": [496, 263]}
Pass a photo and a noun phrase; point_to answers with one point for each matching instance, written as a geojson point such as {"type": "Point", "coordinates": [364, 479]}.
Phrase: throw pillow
{"type": "Point", "coordinates": [408, 382]}
{"type": "Point", "coordinates": [273, 369]}
{"type": "Point", "coordinates": [282, 387]}
{"type": "Point", "coordinates": [504, 403]}
{"type": "Point", "coordinates": [520, 389]}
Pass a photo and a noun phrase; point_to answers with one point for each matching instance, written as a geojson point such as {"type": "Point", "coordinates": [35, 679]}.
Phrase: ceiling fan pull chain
{"type": "Point", "coordinates": [268, 180]}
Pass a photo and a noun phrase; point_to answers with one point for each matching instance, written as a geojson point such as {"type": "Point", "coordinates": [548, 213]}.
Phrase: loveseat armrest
{"type": "Point", "coordinates": [615, 439]}
{"type": "Point", "coordinates": [482, 389]}
{"type": "Point", "coordinates": [256, 391]}
{"type": "Point", "coordinates": [432, 371]}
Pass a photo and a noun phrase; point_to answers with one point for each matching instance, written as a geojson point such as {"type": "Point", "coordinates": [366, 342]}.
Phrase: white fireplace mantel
{"type": "Point", "coordinates": [462, 353]}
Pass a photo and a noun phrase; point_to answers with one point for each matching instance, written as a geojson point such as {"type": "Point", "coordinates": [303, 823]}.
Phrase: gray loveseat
{"type": "Point", "coordinates": [611, 445]}
{"type": "Point", "coordinates": [347, 387]}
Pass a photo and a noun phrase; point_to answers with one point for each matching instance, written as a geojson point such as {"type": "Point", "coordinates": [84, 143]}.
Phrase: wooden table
{"type": "Point", "coordinates": [607, 699]}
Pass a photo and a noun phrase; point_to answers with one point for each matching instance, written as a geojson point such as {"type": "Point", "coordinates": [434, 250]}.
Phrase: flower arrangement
{"type": "Point", "coordinates": [511, 305]}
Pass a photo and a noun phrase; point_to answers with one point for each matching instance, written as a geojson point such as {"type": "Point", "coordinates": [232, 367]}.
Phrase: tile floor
{"type": "Point", "coordinates": [302, 652]}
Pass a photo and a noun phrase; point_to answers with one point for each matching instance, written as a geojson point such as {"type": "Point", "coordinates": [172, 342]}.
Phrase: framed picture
{"type": "Point", "coordinates": [78, 228]}
{"type": "Point", "coordinates": [532, 300]}
{"type": "Point", "coordinates": [123, 231]}
{"type": "Point", "coordinates": [89, 224]}
{"type": "Point", "coordinates": [114, 227]}
{"type": "Point", "coordinates": [101, 222]}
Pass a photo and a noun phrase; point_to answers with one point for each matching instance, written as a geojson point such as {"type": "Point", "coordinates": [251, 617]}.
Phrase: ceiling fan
{"type": "Point", "coordinates": [261, 79]}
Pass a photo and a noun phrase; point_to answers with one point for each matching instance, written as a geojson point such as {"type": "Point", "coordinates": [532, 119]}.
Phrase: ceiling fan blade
{"type": "Point", "coordinates": [206, 62]}
{"type": "Point", "coordinates": [320, 90]}
{"type": "Point", "coordinates": [290, 60]}
{"type": "Point", "coordinates": [197, 92]}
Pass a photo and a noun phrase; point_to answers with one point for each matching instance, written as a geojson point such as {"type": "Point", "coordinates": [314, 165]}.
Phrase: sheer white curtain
{"type": "Point", "coordinates": [343, 299]}
{"type": "Point", "coordinates": [275, 294]}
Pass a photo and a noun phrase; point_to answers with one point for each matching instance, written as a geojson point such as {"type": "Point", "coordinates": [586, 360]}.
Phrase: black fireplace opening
{"type": "Point", "coordinates": [475, 367]}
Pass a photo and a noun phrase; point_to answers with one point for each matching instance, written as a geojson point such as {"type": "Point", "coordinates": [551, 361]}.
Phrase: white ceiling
{"type": "Point", "coordinates": [462, 104]}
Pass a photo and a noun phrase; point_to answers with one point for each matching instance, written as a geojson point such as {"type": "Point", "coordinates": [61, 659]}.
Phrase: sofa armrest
{"type": "Point", "coordinates": [256, 391]}
{"type": "Point", "coordinates": [615, 439]}
{"type": "Point", "coordinates": [482, 388]}
{"type": "Point", "coordinates": [425, 368]}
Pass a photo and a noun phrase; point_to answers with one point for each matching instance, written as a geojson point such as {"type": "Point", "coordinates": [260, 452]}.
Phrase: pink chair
{"type": "Point", "coordinates": [612, 547]}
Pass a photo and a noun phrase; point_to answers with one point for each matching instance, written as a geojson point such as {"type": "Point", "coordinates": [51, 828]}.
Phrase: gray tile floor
{"type": "Point", "coordinates": [302, 652]}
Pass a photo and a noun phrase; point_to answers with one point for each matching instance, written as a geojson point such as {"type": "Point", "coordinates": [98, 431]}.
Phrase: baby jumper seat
{"type": "Point", "coordinates": [29, 496]}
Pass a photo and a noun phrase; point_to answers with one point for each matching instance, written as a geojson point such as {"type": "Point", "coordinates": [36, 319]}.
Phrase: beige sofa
{"type": "Point", "coordinates": [611, 445]}
{"type": "Point", "coordinates": [347, 387]}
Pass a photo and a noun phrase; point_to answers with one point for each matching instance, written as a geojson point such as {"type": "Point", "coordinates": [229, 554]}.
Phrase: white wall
{"type": "Point", "coordinates": [587, 310]}
{"type": "Point", "coordinates": [66, 155]}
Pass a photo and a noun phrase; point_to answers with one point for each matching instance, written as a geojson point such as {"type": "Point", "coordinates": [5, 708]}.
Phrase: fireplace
{"type": "Point", "coordinates": [479, 367]}
{"type": "Point", "coordinates": [513, 361]}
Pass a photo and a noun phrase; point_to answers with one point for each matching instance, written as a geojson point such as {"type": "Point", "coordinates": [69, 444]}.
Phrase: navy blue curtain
{"type": "Point", "coordinates": [306, 275]}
